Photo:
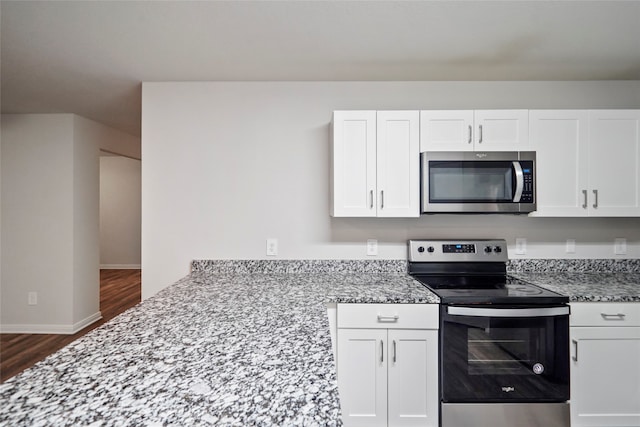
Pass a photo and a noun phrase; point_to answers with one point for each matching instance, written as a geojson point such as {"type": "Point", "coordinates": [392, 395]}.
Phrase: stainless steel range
{"type": "Point", "coordinates": [503, 342]}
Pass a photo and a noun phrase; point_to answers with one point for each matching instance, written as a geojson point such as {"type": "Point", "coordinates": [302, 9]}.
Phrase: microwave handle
{"type": "Point", "coordinates": [517, 195]}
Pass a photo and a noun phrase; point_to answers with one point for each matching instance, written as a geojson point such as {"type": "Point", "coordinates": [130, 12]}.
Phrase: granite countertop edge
{"type": "Point", "coordinates": [233, 344]}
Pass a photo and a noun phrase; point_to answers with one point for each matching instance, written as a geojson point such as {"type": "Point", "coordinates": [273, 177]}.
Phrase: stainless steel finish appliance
{"type": "Point", "coordinates": [503, 342]}
{"type": "Point", "coordinates": [475, 182]}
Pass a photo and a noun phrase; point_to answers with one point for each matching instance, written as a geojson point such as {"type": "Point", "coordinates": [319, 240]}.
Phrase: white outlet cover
{"type": "Point", "coordinates": [571, 246]}
{"type": "Point", "coordinates": [272, 247]}
{"type": "Point", "coordinates": [521, 246]}
{"type": "Point", "coordinates": [372, 247]}
{"type": "Point", "coordinates": [620, 246]}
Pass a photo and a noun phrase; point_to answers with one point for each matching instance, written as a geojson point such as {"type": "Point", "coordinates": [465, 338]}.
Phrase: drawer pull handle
{"type": "Point", "coordinates": [393, 318]}
{"type": "Point", "coordinates": [575, 345]}
{"type": "Point", "coordinates": [617, 316]}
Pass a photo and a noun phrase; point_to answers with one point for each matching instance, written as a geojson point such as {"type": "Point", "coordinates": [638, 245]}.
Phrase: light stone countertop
{"type": "Point", "coordinates": [213, 349]}
{"type": "Point", "coordinates": [235, 344]}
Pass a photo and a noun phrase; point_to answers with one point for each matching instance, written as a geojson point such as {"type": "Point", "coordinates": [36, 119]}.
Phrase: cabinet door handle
{"type": "Point", "coordinates": [381, 351]}
{"type": "Point", "coordinates": [382, 318]}
{"type": "Point", "coordinates": [480, 140]}
{"type": "Point", "coordinates": [575, 347]}
{"type": "Point", "coordinates": [617, 316]}
{"type": "Point", "coordinates": [470, 130]}
{"type": "Point", "coordinates": [371, 198]}
{"type": "Point", "coordinates": [394, 351]}
{"type": "Point", "coordinates": [595, 203]}
{"type": "Point", "coordinates": [381, 199]}
{"type": "Point", "coordinates": [584, 193]}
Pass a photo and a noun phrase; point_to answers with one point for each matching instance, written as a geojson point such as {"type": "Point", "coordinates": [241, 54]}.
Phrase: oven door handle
{"type": "Point", "coordinates": [517, 194]}
{"type": "Point", "coordinates": [508, 312]}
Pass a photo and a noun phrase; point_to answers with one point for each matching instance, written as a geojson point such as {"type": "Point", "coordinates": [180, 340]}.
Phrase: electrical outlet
{"type": "Point", "coordinates": [571, 246]}
{"type": "Point", "coordinates": [521, 246]}
{"type": "Point", "coordinates": [620, 246]}
{"type": "Point", "coordinates": [32, 298]}
{"type": "Point", "coordinates": [372, 247]}
{"type": "Point", "coordinates": [272, 247]}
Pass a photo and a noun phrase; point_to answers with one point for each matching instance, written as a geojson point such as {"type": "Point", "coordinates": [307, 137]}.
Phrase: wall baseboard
{"type": "Point", "coordinates": [50, 329]}
{"type": "Point", "coordinates": [120, 266]}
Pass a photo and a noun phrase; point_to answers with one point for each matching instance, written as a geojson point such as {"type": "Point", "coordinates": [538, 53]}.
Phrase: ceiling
{"type": "Point", "coordinates": [90, 57]}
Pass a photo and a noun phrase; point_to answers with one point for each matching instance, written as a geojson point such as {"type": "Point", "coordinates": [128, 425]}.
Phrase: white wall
{"type": "Point", "coordinates": [37, 220]}
{"type": "Point", "coordinates": [120, 212]}
{"type": "Point", "coordinates": [229, 164]}
{"type": "Point", "coordinates": [50, 221]}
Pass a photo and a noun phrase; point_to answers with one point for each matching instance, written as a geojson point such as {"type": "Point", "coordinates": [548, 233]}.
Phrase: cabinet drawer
{"type": "Point", "coordinates": [388, 316]}
{"type": "Point", "coordinates": [605, 314]}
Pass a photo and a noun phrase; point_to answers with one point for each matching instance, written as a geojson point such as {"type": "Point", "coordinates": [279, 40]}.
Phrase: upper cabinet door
{"type": "Point", "coordinates": [560, 140]}
{"type": "Point", "coordinates": [469, 130]}
{"type": "Point", "coordinates": [501, 130]}
{"type": "Point", "coordinates": [353, 173]}
{"type": "Point", "coordinates": [614, 162]}
{"type": "Point", "coordinates": [446, 130]}
{"type": "Point", "coordinates": [398, 164]}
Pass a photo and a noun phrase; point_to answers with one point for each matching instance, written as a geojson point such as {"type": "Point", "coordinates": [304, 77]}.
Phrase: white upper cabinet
{"type": "Point", "coordinates": [559, 138]}
{"type": "Point", "coordinates": [353, 171]}
{"type": "Point", "coordinates": [376, 164]}
{"type": "Point", "coordinates": [474, 130]}
{"type": "Point", "coordinates": [614, 162]}
{"type": "Point", "coordinates": [588, 162]}
{"type": "Point", "coordinates": [398, 164]}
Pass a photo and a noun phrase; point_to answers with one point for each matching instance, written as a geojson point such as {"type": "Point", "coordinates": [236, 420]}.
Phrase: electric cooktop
{"type": "Point", "coordinates": [473, 272]}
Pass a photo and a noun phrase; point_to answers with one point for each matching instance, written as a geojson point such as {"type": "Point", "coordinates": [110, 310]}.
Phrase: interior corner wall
{"type": "Point", "coordinates": [230, 164]}
{"type": "Point", "coordinates": [115, 141]}
{"type": "Point", "coordinates": [50, 212]}
{"type": "Point", "coordinates": [86, 221]}
{"type": "Point", "coordinates": [37, 222]}
{"type": "Point", "coordinates": [120, 212]}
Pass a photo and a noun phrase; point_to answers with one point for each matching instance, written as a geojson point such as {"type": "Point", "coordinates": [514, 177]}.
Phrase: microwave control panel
{"type": "Point", "coordinates": [529, 186]}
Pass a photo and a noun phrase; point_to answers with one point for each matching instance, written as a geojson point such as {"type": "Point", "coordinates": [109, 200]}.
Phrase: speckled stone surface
{"type": "Point", "coordinates": [583, 280]}
{"type": "Point", "coordinates": [213, 349]}
{"type": "Point", "coordinates": [299, 266]}
{"type": "Point", "coordinates": [574, 265]}
{"type": "Point", "coordinates": [589, 287]}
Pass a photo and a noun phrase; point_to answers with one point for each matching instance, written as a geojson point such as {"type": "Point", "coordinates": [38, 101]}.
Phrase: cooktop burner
{"type": "Point", "coordinates": [473, 272]}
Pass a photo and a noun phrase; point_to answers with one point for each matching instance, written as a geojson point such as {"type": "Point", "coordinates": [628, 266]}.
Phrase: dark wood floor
{"type": "Point", "coordinates": [119, 290]}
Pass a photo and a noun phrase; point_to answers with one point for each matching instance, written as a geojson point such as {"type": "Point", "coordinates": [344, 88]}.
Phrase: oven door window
{"type": "Point", "coordinates": [471, 182]}
{"type": "Point", "coordinates": [505, 359]}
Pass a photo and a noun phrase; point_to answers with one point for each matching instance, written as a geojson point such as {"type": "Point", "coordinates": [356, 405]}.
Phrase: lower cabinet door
{"type": "Point", "coordinates": [413, 378]}
{"type": "Point", "coordinates": [605, 376]}
{"type": "Point", "coordinates": [362, 376]}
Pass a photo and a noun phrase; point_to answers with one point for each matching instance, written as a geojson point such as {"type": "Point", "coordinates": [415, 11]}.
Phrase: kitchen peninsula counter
{"type": "Point", "coordinates": [215, 348]}
{"type": "Point", "coordinates": [235, 343]}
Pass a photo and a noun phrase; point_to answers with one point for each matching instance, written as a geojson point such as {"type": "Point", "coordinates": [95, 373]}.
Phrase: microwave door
{"type": "Point", "coordinates": [519, 178]}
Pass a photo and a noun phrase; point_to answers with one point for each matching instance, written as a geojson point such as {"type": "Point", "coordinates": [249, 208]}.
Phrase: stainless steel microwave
{"type": "Point", "coordinates": [478, 182]}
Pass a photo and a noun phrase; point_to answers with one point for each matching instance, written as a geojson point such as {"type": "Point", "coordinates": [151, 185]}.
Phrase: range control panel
{"type": "Point", "coordinates": [494, 250]}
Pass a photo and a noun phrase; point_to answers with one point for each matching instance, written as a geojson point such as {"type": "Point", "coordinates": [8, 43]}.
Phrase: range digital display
{"type": "Point", "coordinates": [459, 249]}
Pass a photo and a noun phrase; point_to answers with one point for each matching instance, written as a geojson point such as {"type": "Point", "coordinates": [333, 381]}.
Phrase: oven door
{"type": "Point", "coordinates": [504, 354]}
{"type": "Point", "coordinates": [462, 182]}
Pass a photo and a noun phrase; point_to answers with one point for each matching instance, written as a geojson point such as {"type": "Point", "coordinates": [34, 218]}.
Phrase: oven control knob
{"type": "Point", "coordinates": [487, 249]}
{"type": "Point", "coordinates": [497, 249]}
{"type": "Point", "coordinates": [420, 249]}
{"type": "Point", "coordinates": [430, 249]}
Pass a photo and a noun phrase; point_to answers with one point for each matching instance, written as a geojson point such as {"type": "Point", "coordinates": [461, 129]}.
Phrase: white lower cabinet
{"type": "Point", "coordinates": [605, 364]}
{"type": "Point", "coordinates": [388, 376]}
